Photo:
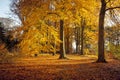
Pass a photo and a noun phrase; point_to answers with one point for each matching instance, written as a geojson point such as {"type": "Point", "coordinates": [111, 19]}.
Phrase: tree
{"type": "Point", "coordinates": [41, 24]}
{"type": "Point", "coordinates": [101, 55]}
{"type": "Point", "coordinates": [1, 32]}
{"type": "Point", "coordinates": [103, 9]}
{"type": "Point", "coordinates": [36, 17]}
{"type": "Point", "coordinates": [112, 38]}
{"type": "Point", "coordinates": [62, 44]}
{"type": "Point", "coordinates": [83, 24]}
{"type": "Point", "coordinates": [78, 39]}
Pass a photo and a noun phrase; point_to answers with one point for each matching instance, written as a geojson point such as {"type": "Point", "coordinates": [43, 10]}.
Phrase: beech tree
{"type": "Point", "coordinates": [106, 5]}
{"type": "Point", "coordinates": [37, 16]}
{"type": "Point", "coordinates": [32, 15]}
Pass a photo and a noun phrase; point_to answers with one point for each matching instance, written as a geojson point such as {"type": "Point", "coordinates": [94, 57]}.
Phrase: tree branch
{"type": "Point", "coordinates": [108, 1]}
{"type": "Point", "coordinates": [112, 8]}
{"type": "Point", "coordinates": [53, 13]}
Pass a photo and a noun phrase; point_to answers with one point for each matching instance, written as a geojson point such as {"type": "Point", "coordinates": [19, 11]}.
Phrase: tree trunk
{"type": "Point", "coordinates": [62, 44]}
{"type": "Point", "coordinates": [67, 45]}
{"type": "Point", "coordinates": [101, 55]}
{"type": "Point", "coordinates": [54, 45]}
{"type": "Point", "coordinates": [82, 36]}
{"type": "Point", "coordinates": [77, 38]}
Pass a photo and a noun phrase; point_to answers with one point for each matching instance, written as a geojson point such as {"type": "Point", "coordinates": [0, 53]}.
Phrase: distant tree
{"type": "Point", "coordinates": [6, 38]}
{"type": "Point", "coordinates": [2, 32]}
{"type": "Point", "coordinates": [78, 39]}
{"type": "Point", "coordinates": [112, 39]}
{"type": "Point", "coordinates": [83, 24]}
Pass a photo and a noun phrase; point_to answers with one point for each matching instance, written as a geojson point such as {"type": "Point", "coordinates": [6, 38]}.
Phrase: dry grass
{"type": "Point", "coordinates": [47, 67]}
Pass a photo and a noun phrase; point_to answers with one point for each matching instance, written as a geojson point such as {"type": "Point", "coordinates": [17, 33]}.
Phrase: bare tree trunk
{"type": "Point", "coordinates": [82, 36]}
{"type": "Point", "coordinates": [54, 45]}
{"type": "Point", "coordinates": [77, 36]}
{"type": "Point", "coordinates": [67, 45]}
{"type": "Point", "coordinates": [82, 43]}
{"type": "Point", "coordinates": [101, 54]}
{"type": "Point", "coordinates": [62, 44]}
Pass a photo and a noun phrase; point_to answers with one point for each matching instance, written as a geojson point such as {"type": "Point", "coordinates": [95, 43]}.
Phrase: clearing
{"type": "Point", "coordinates": [48, 67]}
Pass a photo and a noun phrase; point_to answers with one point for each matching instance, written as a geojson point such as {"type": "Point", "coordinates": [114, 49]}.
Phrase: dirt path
{"type": "Point", "coordinates": [47, 67]}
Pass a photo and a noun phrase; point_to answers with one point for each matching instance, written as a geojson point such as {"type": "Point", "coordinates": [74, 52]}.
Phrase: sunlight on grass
{"type": "Point", "coordinates": [47, 59]}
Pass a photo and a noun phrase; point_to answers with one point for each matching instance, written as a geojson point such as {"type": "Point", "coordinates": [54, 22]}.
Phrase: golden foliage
{"type": "Point", "coordinates": [41, 21]}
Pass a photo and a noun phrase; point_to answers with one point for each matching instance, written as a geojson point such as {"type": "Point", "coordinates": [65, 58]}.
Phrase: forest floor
{"type": "Point", "coordinates": [48, 67]}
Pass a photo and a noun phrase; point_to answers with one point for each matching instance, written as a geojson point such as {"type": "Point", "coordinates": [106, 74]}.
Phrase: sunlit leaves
{"type": "Point", "coordinates": [41, 21]}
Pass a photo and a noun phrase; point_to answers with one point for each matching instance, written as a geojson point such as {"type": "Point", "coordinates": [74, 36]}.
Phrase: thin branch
{"type": "Point", "coordinates": [53, 13]}
{"type": "Point", "coordinates": [112, 8]}
{"type": "Point", "coordinates": [108, 1]}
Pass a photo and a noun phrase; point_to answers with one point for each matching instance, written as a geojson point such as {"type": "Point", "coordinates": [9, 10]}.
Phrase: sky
{"type": "Point", "coordinates": [5, 11]}
{"type": "Point", "coordinates": [4, 8]}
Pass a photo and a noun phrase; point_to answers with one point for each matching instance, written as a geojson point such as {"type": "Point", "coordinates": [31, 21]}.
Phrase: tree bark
{"type": "Point", "coordinates": [62, 44]}
{"type": "Point", "coordinates": [67, 45]}
{"type": "Point", "coordinates": [77, 34]}
{"type": "Point", "coordinates": [82, 36]}
{"type": "Point", "coordinates": [101, 54]}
